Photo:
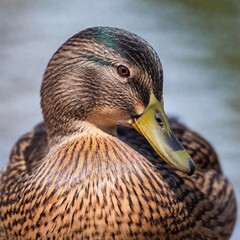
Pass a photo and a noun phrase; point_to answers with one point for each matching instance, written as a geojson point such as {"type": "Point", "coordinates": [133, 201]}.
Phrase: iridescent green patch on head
{"type": "Point", "coordinates": [102, 35]}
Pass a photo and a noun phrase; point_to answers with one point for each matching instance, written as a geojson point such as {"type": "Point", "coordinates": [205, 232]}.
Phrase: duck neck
{"type": "Point", "coordinates": [76, 128]}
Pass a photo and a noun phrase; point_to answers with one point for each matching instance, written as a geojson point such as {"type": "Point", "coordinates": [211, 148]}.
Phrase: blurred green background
{"type": "Point", "coordinates": [198, 43]}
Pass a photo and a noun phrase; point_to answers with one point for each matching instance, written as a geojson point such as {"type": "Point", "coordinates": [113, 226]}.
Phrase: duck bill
{"type": "Point", "coordinates": [154, 126]}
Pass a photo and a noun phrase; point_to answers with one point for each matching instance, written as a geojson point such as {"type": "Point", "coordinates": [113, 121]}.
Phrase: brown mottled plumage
{"type": "Point", "coordinates": [79, 176]}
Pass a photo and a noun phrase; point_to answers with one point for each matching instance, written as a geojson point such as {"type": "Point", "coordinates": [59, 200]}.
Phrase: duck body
{"type": "Point", "coordinates": [85, 179]}
{"type": "Point", "coordinates": [94, 196]}
{"type": "Point", "coordinates": [101, 196]}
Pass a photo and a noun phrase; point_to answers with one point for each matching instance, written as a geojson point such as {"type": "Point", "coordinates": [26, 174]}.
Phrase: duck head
{"type": "Point", "coordinates": [104, 77]}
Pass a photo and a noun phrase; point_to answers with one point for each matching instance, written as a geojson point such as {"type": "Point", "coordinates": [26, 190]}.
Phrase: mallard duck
{"type": "Point", "coordinates": [107, 163]}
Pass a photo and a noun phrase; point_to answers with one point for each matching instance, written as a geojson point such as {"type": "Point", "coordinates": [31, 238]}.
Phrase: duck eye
{"type": "Point", "coordinates": [123, 71]}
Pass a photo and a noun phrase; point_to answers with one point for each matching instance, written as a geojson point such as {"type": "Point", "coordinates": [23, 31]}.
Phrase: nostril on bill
{"type": "Point", "coordinates": [159, 120]}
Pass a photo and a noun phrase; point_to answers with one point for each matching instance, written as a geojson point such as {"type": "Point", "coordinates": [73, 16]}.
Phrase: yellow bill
{"type": "Point", "coordinates": [154, 126]}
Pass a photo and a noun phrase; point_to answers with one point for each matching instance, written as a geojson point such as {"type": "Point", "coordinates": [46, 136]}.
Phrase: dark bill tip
{"type": "Point", "coordinates": [191, 166]}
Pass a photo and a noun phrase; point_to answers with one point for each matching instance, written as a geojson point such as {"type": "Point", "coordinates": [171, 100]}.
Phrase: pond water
{"type": "Point", "coordinates": [197, 41]}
